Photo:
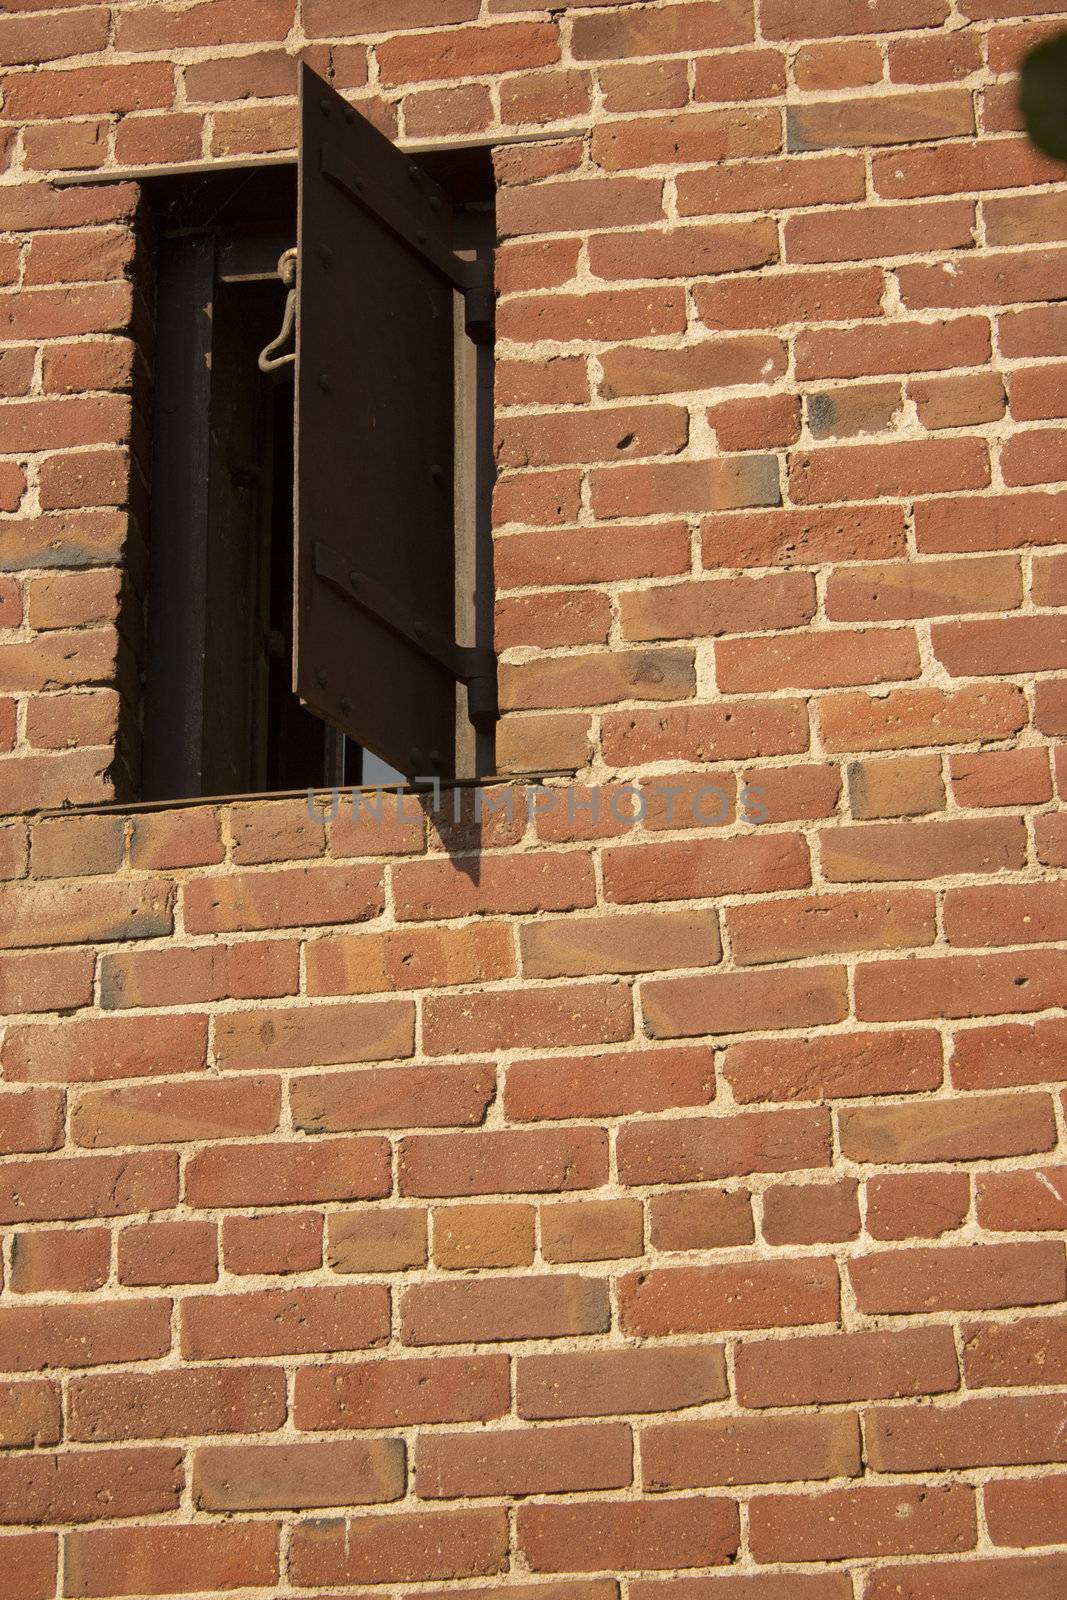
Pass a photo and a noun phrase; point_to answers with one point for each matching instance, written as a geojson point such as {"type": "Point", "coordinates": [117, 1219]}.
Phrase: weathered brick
{"type": "Point", "coordinates": [838, 1367]}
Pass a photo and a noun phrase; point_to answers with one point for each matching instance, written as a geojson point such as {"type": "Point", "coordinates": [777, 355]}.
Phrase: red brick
{"type": "Point", "coordinates": [497, 1235]}
{"type": "Point", "coordinates": [164, 1560]}
{"type": "Point", "coordinates": [978, 1128]}
{"type": "Point", "coordinates": [173, 1113]}
{"type": "Point", "coordinates": [398, 1392]}
{"type": "Point", "coordinates": [503, 1161]}
{"type": "Point", "coordinates": [763, 1294]}
{"type": "Point", "coordinates": [741, 75]}
{"type": "Point", "coordinates": [33, 1120]}
{"type": "Point", "coordinates": [811, 1213]}
{"type": "Point", "coordinates": [104, 1048]}
{"type": "Point", "coordinates": [701, 1219]}
{"type": "Point", "coordinates": [834, 1067]}
{"type": "Point", "coordinates": [71, 1259]}
{"type": "Point", "coordinates": [36, 1338]}
{"type": "Point", "coordinates": [698, 1149]}
{"type": "Point", "coordinates": [938, 59]}
{"type": "Point", "coordinates": [558, 617]}
{"type": "Point", "coordinates": [1011, 1053]}
{"type": "Point", "coordinates": [784, 930]}
{"type": "Point", "coordinates": [735, 1002]}
{"type": "Point", "coordinates": [960, 986]}
{"type": "Point", "coordinates": [1017, 1202]}
{"type": "Point", "coordinates": [640, 943]}
{"type": "Point", "coordinates": [958, 1278]}
{"type": "Point", "coordinates": [592, 1230]}
{"type": "Point", "coordinates": [863, 233]}
{"type": "Point", "coordinates": [521, 1461]}
{"type": "Point", "coordinates": [892, 347]}
{"type": "Point", "coordinates": [1039, 1578]}
{"type": "Point", "coordinates": [542, 97]}
{"type": "Point", "coordinates": [284, 1321]}
{"type": "Point", "coordinates": [1033, 457]}
{"type": "Point", "coordinates": [545, 882]}
{"type": "Point", "coordinates": [296, 1174]}
{"type": "Point", "coordinates": [892, 851]}
{"type": "Point", "coordinates": [571, 1014]}
{"type": "Point", "coordinates": [992, 522]}
{"type": "Point", "coordinates": [769, 185]}
{"type": "Point", "coordinates": [905, 469]}
{"type": "Point", "coordinates": [732, 1450]}
{"type": "Point", "coordinates": [923, 588]}
{"type": "Point", "coordinates": [974, 1433]}
{"type": "Point", "coordinates": [289, 898]}
{"type": "Point", "coordinates": [68, 1188]}
{"type": "Point", "coordinates": [873, 1520]}
{"type": "Point", "coordinates": [86, 1485]}
{"type": "Point", "coordinates": [917, 1205]}
{"type": "Point", "coordinates": [817, 19]}
{"type": "Point", "coordinates": [423, 1096]}
{"type": "Point", "coordinates": [684, 868]}
{"type": "Point", "coordinates": [80, 91]}
{"type": "Point", "coordinates": [58, 980]}
{"type": "Point", "coordinates": [1009, 1354]}
{"type": "Point", "coordinates": [1007, 645]}
{"type": "Point", "coordinates": [756, 424]}
{"type": "Point", "coordinates": [467, 52]}
{"type": "Point", "coordinates": [406, 1545]}
{"type": "Point", "coordinates": [700, 250]}
{"type": "Point", "coordinates": [579, 205]}
{"type": "Point", "coordinates": [295, 1036]}
{"type": "Point", "coordinates": [717, 363]}
{"type": "Point", "coordinates": [260, 969]}
{"type": "Point", "coordinates": [837, 66]}
{"type": "Point", "coordinates": [836, 1367]}
{"type": "Point", "coordinates": [269, 1477]}
{"type": "Point", "coordinates": [290, 1241]}
{"type": "Point", "coordinates": [725, 483]}
{"type": "Point", "coordinates": [530, 1307]}
{"type": "Point", "coordinates": [958, 402]}
{"type": "Point", "coordinates": [908, 718]}
{"type": "Point", "coordinates": [646, 85]}
{"type": "Point", "coordinates": [812, 296]}
{"type": "Point", "coordinates": [1026, 1511]}
{"type": "Point", "coordinates": [686, 139]}
{"type": "Point", "coordinates": [647, 1535]}
{"type": "Point", "coordinates": [611, 1085]}
{"type": "Point", "coordinates": [549, 438]}
{"type": "Point", "coordinates": [789, 538]}
{"type": "Point", "coordinates": [816, 660]}
{"type": "Point", "coordinates": [611, 1382]}
{"type": "Point", "coordinates": [168, 1252]}
{"type": "Point", "coordinates": [671, 30]}
{"type": "Point", "coordinates": [31, 1414]}
{"type": "Point", "coordinates": [30, 1561]}
{"type": "Point", "coordinates": [602, 678]}
{"type": "Point", "coordinates": [1006, 914]}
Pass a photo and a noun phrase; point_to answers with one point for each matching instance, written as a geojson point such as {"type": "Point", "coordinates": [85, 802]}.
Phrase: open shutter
{"type": "Point", "coordinates": [374, 608]}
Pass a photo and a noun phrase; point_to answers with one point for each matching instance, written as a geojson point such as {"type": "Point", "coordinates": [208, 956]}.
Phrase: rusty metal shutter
{"type": "Point", "coordinates": [374, 648]}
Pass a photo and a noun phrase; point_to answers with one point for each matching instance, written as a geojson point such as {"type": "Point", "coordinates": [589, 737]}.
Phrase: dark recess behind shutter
{"type": "Point", "coordinates": [374, 494]}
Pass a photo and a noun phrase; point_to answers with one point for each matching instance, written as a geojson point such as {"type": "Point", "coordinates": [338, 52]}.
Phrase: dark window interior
{"type": "Point", "coordinates": [220, 714]}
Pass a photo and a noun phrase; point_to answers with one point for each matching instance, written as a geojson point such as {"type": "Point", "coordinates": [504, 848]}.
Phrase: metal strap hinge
{"type": "Point", "coordinates": [476, 667]}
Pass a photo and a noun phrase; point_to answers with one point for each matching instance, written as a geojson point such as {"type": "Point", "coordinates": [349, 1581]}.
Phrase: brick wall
{"type": "Point", "coordinates": [553, 1206]}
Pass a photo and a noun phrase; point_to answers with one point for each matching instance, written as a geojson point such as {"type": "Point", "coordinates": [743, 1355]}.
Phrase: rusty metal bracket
{"type": "Point", "coordinates": [476, 667]}
{"type": "Point", "coordinates": [269, 359]}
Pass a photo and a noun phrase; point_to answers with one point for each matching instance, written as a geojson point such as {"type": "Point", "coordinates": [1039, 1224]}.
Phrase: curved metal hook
{"type": "Point", "coordinates": [269, 360]}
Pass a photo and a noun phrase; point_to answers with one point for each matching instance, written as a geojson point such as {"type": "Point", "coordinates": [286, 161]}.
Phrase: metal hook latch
{"type": "Point", "coordinates": [269, 360]}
